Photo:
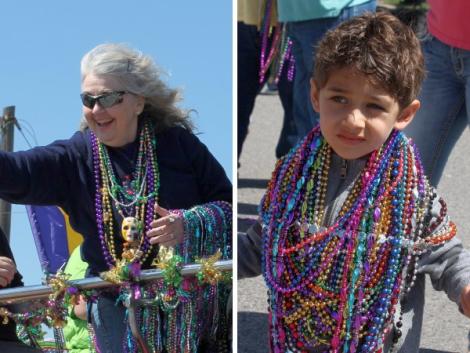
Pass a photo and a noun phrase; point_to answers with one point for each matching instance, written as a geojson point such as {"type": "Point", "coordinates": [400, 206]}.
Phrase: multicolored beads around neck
{"type": "Point", "coordinates": [336, 287]}
{"type": "Point", "coordinates": [136, 198]}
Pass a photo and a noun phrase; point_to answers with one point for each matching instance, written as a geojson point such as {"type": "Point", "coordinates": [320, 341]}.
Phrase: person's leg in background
{"type": "Point", "coordinates": [305, 35]}
{"type": "Point", "coordinates": [288, 135]}
{"type": "Point", "coordinates": [248, 66]}
{"type": "Point", "coordinates": [443, 115]}
{"type": "Point", "coordinates": [109, 324]}
{"type": "Point", "coordinates": [248, 54]}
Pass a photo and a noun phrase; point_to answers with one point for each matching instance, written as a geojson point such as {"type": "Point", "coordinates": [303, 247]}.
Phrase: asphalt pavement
{"type": "Point", "coordinates": [445, 329]}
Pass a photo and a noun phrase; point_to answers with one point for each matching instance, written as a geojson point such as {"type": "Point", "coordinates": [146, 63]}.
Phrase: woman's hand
{"type": "Point", "coordinates": [7, 271]}
{"type": "Point", "coordinates": [167, 230]}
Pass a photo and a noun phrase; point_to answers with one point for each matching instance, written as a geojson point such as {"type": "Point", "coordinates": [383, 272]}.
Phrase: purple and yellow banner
{"type": "Point", "coordinates": [54, 237]}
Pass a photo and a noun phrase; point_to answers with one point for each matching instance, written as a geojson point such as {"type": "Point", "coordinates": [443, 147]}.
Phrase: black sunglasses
{"type": "Point", "coordinates": [105, 100]}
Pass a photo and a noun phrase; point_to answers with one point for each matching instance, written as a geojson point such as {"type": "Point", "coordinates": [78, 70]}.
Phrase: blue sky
{"type": "Point", "coordinates": [43, 42]}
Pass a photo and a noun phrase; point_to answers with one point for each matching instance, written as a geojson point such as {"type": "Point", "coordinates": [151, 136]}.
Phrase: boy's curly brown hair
{"type": "Point", "coordinates": [378, 45]}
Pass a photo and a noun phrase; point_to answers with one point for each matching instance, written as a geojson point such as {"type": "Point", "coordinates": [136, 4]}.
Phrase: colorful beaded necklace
{"type": "Point", "coordinates": [337, 288]}
{"type": "Point", "coordinates": [276, 48]}
{"type": "Point", "coordinates": [135, 198]}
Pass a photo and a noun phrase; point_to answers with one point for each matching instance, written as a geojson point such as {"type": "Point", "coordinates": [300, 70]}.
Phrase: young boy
{"type": "Point", "coordinates": [349, 224]}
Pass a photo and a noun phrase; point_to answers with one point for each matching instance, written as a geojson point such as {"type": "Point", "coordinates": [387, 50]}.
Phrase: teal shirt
{"type": "Point", "coordinates": [302, 10]}
{"type": "Point", "coordinates": [76, 334]}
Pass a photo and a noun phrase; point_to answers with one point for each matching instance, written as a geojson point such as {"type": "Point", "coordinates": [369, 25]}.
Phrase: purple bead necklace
{"type": "Point", "coordinates": [144, 201]}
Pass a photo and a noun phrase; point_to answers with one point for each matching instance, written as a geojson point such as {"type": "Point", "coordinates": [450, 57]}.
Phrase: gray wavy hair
{"type": "Point", "coordinates": [139, 75]}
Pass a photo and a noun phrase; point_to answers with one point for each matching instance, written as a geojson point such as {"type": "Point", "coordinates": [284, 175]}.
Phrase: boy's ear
{"type": "Point", "coordinates": [407, 115]}
{"type": "Point", "coordinates": [314, 95]}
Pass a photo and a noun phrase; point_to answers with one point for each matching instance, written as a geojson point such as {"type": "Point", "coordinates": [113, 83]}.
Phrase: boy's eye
{"type": "Point", "coordinates": [339, 99]}
{"type": "Point", "coordinates": [375, 106]}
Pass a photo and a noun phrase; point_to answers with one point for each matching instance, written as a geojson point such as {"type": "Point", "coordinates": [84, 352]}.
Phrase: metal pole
{"type": "Point", "coordinates": [7, 124]}
{"type": "Point", "coordinates": [18, 294]}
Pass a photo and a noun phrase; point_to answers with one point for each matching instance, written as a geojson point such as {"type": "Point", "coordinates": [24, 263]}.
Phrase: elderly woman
{"type": "Point", "coordinates": [135, 167]}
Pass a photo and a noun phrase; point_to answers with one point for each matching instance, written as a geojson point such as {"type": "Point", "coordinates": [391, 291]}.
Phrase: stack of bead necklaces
{"type": "Point", "coordinates": [335, 287]}
{"type": "Point", "coordinates": [191, 311]}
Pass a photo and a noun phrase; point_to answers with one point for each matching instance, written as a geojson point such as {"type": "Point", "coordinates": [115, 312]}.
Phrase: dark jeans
{"type": "Point", "coordinates": [305, 35]}
{"type": "Point", "coordinates": [248, 54]}
{"type": "Point", "coordinates": [445, 105]}
{"type": "Point", "coordinates": [109, 323]}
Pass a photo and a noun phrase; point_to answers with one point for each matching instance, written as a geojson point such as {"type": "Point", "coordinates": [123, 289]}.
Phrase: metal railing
{"type": "Point", "coordinates": [19, 294]}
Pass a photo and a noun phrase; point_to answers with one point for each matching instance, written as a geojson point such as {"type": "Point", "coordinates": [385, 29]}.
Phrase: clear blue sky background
{"type": "Point", "coordinates": [42, 43]}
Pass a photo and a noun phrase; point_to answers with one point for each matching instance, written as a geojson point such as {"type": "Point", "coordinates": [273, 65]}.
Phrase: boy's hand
{"type": "Point", "coordinates": [7, 271]}
{"type": "Point", "coordinates": [465, 300]}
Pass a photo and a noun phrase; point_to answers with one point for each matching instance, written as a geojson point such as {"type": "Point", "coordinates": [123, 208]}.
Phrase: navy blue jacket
{"type": "Point", "coordinates": [62, 174]}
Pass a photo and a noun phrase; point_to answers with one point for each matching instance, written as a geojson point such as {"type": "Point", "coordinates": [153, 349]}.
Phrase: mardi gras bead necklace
{"type": "Point", "coordinates": [265, 57]}
{"type": "Point", "coordinates": [337, 287]}
{"type": "Point", "coordinates": [276, 48]}
{"type": "Point", "coordinates": [182, 321]}
{"type": "Point", "coordinates": [134, 199]}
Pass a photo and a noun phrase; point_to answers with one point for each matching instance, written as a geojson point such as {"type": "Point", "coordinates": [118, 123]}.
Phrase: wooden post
{"type": "Point", "coordinates": [7, 124]}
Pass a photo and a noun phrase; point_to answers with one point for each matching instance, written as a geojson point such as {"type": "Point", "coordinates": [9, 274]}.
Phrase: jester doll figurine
{"type": "Point", "coordinates": [130, 230]}
{"type": "Point", "coordinates": [349, 223]}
